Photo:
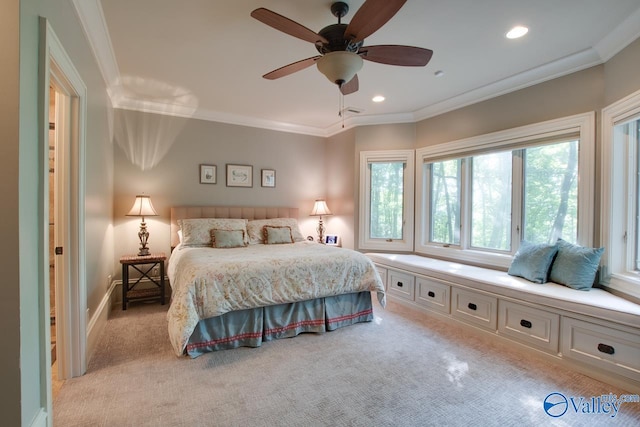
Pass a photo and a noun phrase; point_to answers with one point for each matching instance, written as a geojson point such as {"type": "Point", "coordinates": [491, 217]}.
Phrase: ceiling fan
{"type": "Point", "coordinates": [341, 46]}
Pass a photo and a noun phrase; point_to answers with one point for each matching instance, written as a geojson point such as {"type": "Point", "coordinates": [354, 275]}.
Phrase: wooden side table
{"type": "Point", "coordinates": [144, 265]}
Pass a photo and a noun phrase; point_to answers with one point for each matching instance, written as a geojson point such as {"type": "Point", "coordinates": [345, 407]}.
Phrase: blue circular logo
{"type": "Point", "coordinates": [555, 405]}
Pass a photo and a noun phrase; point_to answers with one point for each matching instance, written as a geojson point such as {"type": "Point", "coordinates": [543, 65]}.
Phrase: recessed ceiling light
{"type": "Point", "coordinates": [378, 98]}
{"type": "Point", "coordinates": [517, 32]}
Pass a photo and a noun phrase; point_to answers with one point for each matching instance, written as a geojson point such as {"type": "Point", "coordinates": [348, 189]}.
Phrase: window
{"type": "Point", "coordinates": [479, 198]}
{"type": "Point", "coordinates": [491, 201]}
{"type": "Point", "coordinates": [620, 225]}
{"type": "Point", "coordinates": [445, 202]}
{"type": "Point", "coordinates": [386, 200]}
{"type": "Point", "coordinates": [551, 193]}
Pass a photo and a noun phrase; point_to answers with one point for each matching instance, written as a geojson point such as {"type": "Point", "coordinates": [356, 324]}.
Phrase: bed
{"type": "Point", "coordinates": [241, 276]}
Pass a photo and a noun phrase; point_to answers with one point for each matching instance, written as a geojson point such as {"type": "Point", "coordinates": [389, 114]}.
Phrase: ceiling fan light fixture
{"type": "Point", "coordinates": [340, 67]}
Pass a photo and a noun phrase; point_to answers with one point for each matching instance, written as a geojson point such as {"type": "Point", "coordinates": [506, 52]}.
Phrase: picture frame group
{"type": "Point", "coordinates": [237, 175]}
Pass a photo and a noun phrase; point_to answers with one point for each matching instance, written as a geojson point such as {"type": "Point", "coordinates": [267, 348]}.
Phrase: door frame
{"type": "Point", "coordinates": [71, 316]}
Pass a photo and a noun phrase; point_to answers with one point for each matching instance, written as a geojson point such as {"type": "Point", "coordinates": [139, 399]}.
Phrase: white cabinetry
{"type": "Point", "coordinates": [433, 294]}
{"type": "Point", "coordinates": [475, 308]}
{"type": "Point", "coordinates": [591, 343]}
{"type": "Point", "coordinates": [530, 325]}
{"type": "Point", "coordinates": [604, 347]}
{"type": "Point", "coordinates": [400, 285]}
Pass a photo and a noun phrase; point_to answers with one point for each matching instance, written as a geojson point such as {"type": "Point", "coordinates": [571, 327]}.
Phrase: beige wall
{"type": "Point", "coordinates": [573, 94]}
{"type": "Point", "coordinates": [341, 182]}
{"type": "Point", "coordinates": [621, 73]}
{"type": "Point", "coordinates": [173, 178]}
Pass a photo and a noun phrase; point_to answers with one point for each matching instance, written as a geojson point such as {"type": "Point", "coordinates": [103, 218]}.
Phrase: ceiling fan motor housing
{"type": "Point", "coordinates": [335, 36]}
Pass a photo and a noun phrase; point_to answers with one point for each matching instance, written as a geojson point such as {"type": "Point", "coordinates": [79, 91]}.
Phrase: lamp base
{"type": "Point", "coordinates": [143, 235]}
{"type": "Point", "coordinates": [144, 252]}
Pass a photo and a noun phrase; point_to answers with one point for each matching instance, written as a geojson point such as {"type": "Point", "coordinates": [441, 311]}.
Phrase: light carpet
{"type": "Point", "coordinates": [404, 369]}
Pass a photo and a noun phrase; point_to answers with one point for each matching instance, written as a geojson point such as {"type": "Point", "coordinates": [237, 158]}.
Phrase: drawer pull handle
{"type": "Point", "coordinates": [604, 348]}
{"type": "Point", "coordinates": [472, 306]}
{"type": "Point", "coordinates": [399, 284]}
{"type": "Point", "coordinates": [525, 323]}
{"type": "Point", "coordinates": [431, 294]}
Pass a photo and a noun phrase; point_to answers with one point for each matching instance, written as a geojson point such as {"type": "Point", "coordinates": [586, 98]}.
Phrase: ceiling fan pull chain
{"type": "Point", "coordinates": [341, 106]}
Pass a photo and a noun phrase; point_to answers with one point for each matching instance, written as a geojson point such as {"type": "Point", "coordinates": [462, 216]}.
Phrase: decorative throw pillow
{"type": "Point", "coordinates": [197, 231]}
{"type": "Point", "coordinates": [277, 234]}
{"type": "Point", "coordinates": [575, 266]}
{"type": "Point", "coordinates": [228, 238]}
{"type": "Point", "coordinates": [255, 228]}
{"type": "Point", "coordinates": [532, 261]}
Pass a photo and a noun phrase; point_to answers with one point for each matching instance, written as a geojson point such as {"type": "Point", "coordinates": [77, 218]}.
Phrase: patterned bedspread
{"type": "Point", "coordinates": [208, 282]}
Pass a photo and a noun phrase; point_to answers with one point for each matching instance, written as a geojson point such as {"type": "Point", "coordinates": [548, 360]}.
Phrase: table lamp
{"type": "Point", "coordinates": [320, 208]}
{"type": "Point", "coordinates": [142, 207]}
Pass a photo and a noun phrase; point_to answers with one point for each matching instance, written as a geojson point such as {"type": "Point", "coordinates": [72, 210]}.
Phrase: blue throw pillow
{"type": "Point", "coordinates": [575, 266]}
{"type": "Point", "coordinates": [532, 261]}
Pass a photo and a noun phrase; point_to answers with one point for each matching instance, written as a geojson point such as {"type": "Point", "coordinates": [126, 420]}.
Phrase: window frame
{"type": "Point", "coordinates": [618, 212]}
{"type": "Point", "coordinates": [580, 126]}
{"type": "Point", "coordinates": [364, 241]}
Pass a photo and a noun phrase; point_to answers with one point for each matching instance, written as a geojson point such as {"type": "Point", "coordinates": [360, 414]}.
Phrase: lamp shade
{"type": "Point", "coordinates": [142, 207]}
{"type": "Point", "coordinates": [320, 208]}
{"type": "Point", "coordinates": [340, 66]}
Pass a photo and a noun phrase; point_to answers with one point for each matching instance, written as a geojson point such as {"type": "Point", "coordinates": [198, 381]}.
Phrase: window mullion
{"type": "Point", "coordinates": [465, 203]}
{"type": "Point", "coordinates": [517, 199]}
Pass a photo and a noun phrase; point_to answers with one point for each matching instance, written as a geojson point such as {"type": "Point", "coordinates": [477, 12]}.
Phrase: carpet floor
{"type": "Point", "coordinates": [403, 369]}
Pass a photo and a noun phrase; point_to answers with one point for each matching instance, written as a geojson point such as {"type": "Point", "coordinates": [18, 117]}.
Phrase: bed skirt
{"type": "Point", "coordinates": [249, 328]}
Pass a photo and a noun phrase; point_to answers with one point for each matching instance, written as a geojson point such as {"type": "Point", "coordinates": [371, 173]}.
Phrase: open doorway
{"type": "Point", "coordinates": [63, 296]}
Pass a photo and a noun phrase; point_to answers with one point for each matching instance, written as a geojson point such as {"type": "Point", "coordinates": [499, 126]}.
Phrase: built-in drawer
{"type": "Point", "coordinates": [433, 294]}
{"type": "Point", "coordinates": [533, 326]}
{"type": "Point", "coordinates": [602, 346]}
{"type": "Point", "coordinates": [401, 285]}
{"type": "Point", "coordinates": [472, 307]}
{"type": "Point", "coordinates": [383, 275]}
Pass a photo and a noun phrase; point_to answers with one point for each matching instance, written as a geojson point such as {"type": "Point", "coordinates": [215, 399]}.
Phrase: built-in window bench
{"type": "Point", "coordinates": [594, 332]}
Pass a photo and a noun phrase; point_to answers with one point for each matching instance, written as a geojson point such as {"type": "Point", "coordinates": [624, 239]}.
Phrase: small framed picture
{"type": "Point", "coordinates": [268, 178]}
{"type": "Point", "coordinates": [239, 176]}
{"type": "Point", "coordinates": [331, 240]}
{"type": "Point", "coordinates": [208, 174]}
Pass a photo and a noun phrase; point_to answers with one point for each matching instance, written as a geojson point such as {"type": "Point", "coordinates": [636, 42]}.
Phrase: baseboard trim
{"type": "Point", "coordinates": [99, 321]}
{"type": "Point", "coordinates": [40, 420]}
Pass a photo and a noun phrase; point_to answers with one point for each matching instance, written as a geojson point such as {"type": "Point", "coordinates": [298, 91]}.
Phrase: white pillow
{"type": "Point", "coordinates": [256, 229]}
{"type": "Point", "coordinates": [197, 231]}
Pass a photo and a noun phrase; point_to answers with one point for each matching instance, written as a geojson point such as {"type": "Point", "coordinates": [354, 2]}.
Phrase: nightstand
{"type": "Point", "coordinates": [144, 265]}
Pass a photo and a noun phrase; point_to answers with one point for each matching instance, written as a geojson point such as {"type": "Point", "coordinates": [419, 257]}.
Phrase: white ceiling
{"type": "Point", "coordinates": [205, 58]}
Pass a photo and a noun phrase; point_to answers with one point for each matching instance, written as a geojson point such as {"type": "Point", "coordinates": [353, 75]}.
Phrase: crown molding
{"type": "Point", "coordinates": [621, 36]}
{"type": "Point", "coordinates": [95, 28]}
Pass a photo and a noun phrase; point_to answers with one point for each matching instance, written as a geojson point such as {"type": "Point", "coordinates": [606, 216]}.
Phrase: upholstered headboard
{"type": "Point", "coordinates": [246, 212]}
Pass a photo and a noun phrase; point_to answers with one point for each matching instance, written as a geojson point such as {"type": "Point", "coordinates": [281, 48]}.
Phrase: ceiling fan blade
{"type": "Point", "coordinates": [372, 15]}
{"type": "Point", "coordinates": [408, 56]}
{"type": "Point", "coordinates": [291, 68]}
{"type": "Point", "coordinates": [351, 86]}
{"type": "Point", "coordinates": [286, 25]}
